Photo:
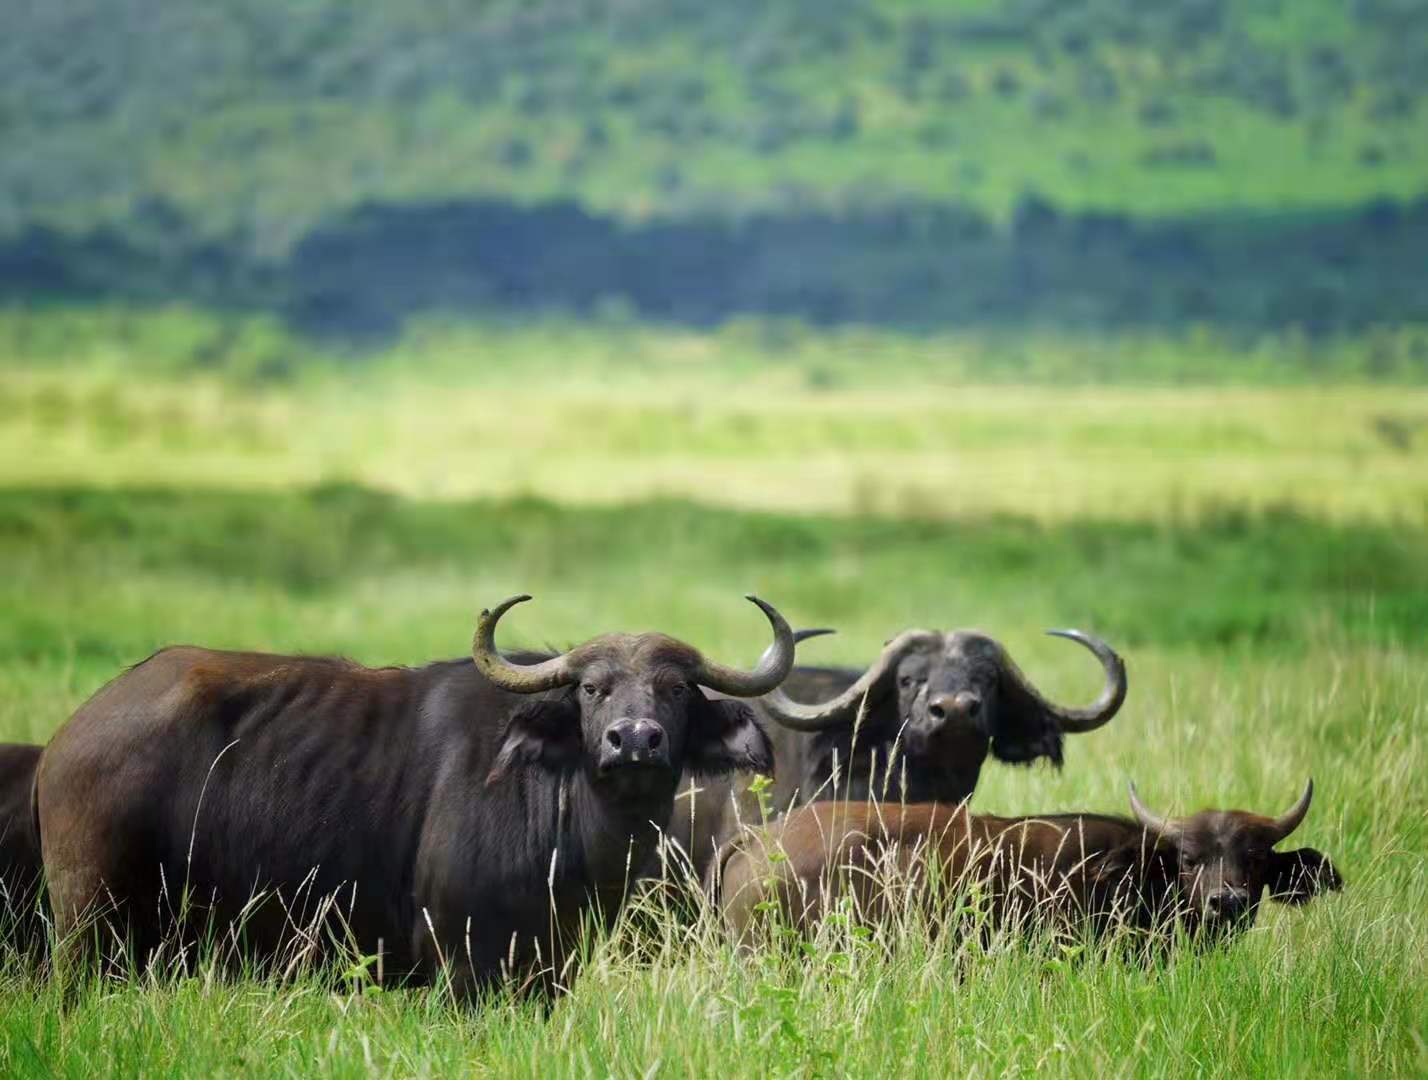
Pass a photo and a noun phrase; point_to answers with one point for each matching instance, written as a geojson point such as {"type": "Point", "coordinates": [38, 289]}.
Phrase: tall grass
{"type": "Point", "coordinates": [1337, 986]}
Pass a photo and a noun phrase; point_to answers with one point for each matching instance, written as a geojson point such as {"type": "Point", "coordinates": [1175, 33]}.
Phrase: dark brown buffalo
{"type": "Point", "coordinates": [914, 727]}
{"type": "Point", "coordinates": [1206, 872]}
{"type": "Point", "coordinates": [472, 814]}
{"type": "Point", "coordinates": [22, 925]}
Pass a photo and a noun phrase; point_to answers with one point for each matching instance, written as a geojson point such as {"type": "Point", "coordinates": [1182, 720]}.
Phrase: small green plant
{"type": "Point", "coordinates": [361, 977]}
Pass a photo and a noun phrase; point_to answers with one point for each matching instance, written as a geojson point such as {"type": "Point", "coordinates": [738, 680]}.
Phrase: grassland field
{"type": "Point", "coordinates": [1257, 553]}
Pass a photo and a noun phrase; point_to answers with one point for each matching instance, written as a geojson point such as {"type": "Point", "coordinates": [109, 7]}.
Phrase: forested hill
{"type": "Point", "coordinates": [238, 133]}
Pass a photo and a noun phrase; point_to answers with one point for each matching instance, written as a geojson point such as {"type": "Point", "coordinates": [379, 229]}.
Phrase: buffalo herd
{"type": "Point", "coordinates": [467, 819]}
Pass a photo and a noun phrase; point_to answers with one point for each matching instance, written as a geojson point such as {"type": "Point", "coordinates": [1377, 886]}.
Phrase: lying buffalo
{"type": "Point", "coordinates": [916, 726]}
{"type": "Point", "coordinates": [22, 925]}
{"type": "Point", "coordinates": [460, 815]}
{"type": "Point", "coordinates": [1205, 872]}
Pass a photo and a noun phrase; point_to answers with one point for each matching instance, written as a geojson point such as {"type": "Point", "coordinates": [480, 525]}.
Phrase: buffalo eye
{"type": "Point", "coordinates": [591, 689]}
{"type": "Point", "coordinates": [679, 689]}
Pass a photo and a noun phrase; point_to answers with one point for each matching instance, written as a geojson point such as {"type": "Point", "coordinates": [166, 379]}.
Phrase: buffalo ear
{"type": "Point", "coordinates": [1296, 877]}
{"type": "Point", "coordinates": [545, 734]}
{"type": "Point", "coordinates": [1022, 731]}
{"type": "Point", "coordinates": [726, 735]}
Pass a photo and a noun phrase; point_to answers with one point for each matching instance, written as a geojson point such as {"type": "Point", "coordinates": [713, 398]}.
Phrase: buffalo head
{"type": "Point", "coordinates": [1223, 860]}
{"type": "Point", "coordinates": [628, 708]}
{"type": "Point", "coordinates": [958, 696]}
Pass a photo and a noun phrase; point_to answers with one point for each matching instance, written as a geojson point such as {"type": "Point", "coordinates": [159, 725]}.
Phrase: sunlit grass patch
{"type": "Point", "coordinates": [921, 450]}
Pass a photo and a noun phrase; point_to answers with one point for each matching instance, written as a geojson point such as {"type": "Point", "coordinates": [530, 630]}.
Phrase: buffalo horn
{"type": "Point", "coordinates": [773, 667]}
{"type": "Point", "coordinates": [517, 678]}
{"type": "Point", "coordinates": [1290, 821]}
{"type": "Point", "coordinates": [1149, 818]}
{"type": "Point", "coordinates": [1075, 721]}
{"type": "Point", "coordinates": [800, 717]}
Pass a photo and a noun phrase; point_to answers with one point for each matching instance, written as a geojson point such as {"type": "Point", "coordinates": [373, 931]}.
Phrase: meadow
{"type": "Point", "coordinates": [1256, 552]}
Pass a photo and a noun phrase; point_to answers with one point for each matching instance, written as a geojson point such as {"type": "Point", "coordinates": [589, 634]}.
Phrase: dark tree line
{"type": "Point", "coordinates": [914, 266]}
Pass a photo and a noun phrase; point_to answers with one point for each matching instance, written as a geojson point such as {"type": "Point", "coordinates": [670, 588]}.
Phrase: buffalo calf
{"type": "Point", "coordinates": [1206, 872]}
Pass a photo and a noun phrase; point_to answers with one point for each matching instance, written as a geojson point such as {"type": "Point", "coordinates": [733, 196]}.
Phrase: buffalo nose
{"type": "Point", "coordinates": [1228, 903]}
{"type": "Point", "coordinates": [963, 704]}
{"type": "Point", "coordinates": [634, 742]}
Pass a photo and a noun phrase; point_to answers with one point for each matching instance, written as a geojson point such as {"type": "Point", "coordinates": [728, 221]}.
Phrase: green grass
{"type": "Point", "coordinates": [176, 339]}
{"type": "Point", "coordinates": [1338, 986]}
{"type": "Point", "coordinates": [1265, 643]}
{"type": "Point", "coordinates": [107, 577]}
{"type": "Point", "coordinates": [754, 415]}
{"type": "Point", "coordinates": [1257, 1009]}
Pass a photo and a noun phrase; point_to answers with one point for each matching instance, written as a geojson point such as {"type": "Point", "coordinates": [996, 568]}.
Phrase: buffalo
{"type": "Point", "coordinates": [1204, 873]}
{"type": "Point", "coordinates": [916, 726]}
{"type": "Point", "coordinates": [460, 817]}
{"type": "Point", "coordinates": [22, 924]}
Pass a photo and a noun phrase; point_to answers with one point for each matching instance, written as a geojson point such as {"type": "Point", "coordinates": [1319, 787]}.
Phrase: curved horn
{"type": "Point", "coordinates": [517, 678]}
{"type": "Point", "coordinates": [798, 636]}
{"type": "Point", "coordinates": [1290, 821]}
{"type": "Point", "coordinates": [773, 667]}
{"type": "Point", "coordinates": [1079, 721]}
{"type": "Point", "coordinates": [1149, 818]}
{"type": "Point", "coordinates": [800, 717]}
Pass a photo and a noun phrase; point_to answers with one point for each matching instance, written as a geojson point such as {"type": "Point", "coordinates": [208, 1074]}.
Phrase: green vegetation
{"type": "Point", "coordinates": [261, 119]}
{"type": "Point", "coordinates": [759, 415]}
{"type": "Point", "coordinates": [178, 339]}
{"type": "Point", "coordinates": [1272, 624]}
{"type": "Point", "coordinates": [218, 567]}
{"type": "Point", "coordinates": [1085, 166]}
{"type": "Point", "coordinates": [1334, 988]}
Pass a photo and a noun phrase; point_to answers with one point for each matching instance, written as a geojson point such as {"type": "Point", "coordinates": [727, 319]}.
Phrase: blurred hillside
{"type": "Point", "coordinates": [1098, 163]}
